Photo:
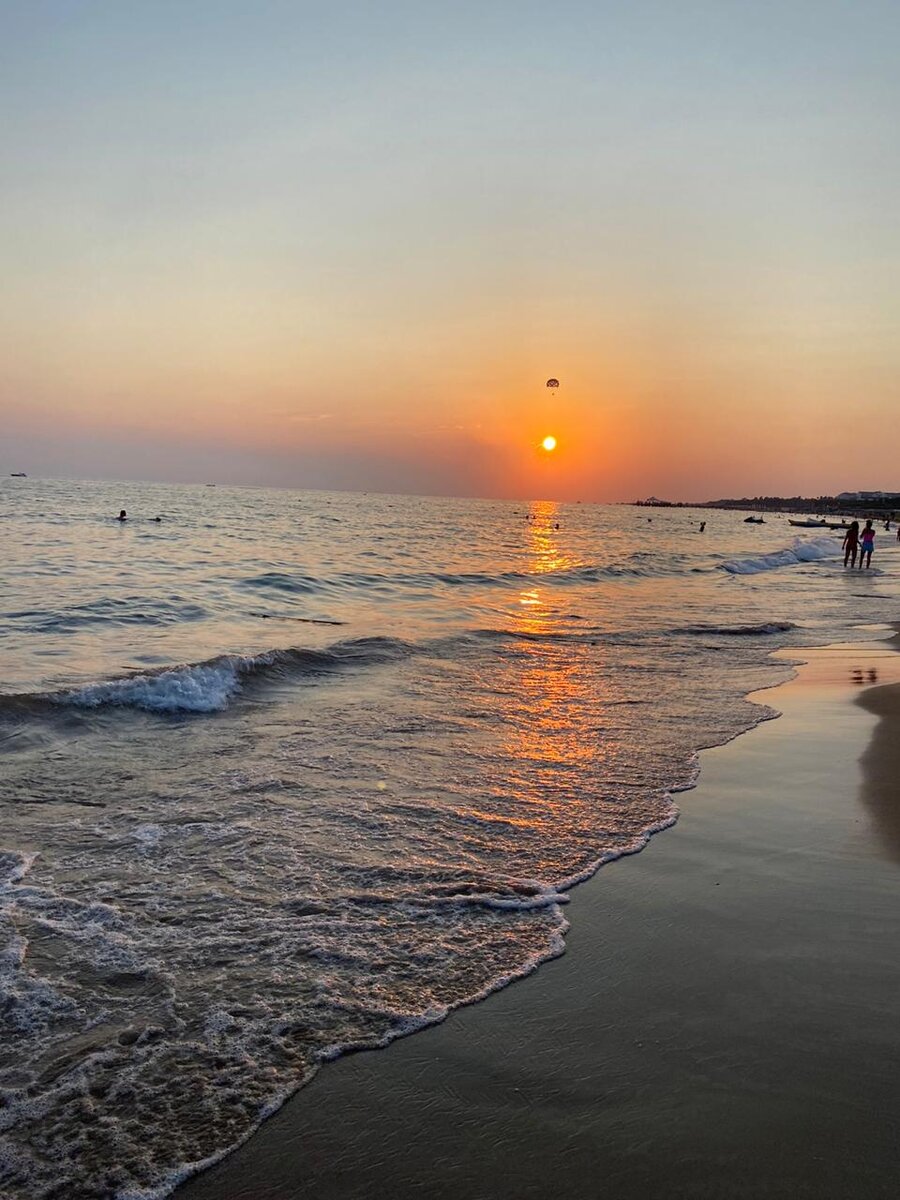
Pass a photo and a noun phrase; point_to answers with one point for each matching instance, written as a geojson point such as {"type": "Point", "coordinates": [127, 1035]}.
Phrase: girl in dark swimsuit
{"type": "Point", "coordinates": [851, 541]}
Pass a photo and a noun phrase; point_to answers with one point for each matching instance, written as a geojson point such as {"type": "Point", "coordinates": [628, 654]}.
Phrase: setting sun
{"type": "Point", "coordinates": [549, 443]}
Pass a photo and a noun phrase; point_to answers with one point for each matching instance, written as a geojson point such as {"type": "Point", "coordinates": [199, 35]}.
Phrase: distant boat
{"type": "Point", "coordinates": [754, 520]}
{"type": "Point", "coordinates": [809, 524]}
{"type": "Point", "coordinates": [17, 475]}
{"type": "Point", "coordinates": [843, 525]}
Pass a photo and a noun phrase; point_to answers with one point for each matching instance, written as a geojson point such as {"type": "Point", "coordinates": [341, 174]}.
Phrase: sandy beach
{"type": "Point", "coordinates": [723, 1023]}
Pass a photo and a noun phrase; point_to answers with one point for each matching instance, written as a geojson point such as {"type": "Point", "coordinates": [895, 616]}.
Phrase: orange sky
{"type": "Point", "coordinates": [344, 253]}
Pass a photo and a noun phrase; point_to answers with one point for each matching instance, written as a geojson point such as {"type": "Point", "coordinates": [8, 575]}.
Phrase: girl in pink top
{"type": "Point", "coordinates": [868, 545]}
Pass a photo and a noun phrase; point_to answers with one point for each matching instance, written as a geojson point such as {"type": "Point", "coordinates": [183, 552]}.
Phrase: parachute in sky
{"type": "Point", "coordinates": [553, 383]}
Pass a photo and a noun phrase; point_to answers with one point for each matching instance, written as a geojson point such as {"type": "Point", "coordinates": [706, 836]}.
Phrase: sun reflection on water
{"type": "Point", "coordinates": [552, 695]}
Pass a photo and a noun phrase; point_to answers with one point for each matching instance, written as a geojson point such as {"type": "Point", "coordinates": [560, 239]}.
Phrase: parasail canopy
{"type": "Point", "coordinates": [553, 383]}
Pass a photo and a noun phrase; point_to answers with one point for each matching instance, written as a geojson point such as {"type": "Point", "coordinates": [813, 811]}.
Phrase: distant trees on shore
{"type": "Point", "coordinates": [884, 504]}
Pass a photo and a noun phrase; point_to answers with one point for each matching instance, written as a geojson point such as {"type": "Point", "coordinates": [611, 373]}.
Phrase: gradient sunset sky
{"type": "Point", "coordinates": [345, 244]}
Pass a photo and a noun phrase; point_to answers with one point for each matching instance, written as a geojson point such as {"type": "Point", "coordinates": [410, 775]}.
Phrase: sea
{"type": "Point", "coordinates": [287, 773]}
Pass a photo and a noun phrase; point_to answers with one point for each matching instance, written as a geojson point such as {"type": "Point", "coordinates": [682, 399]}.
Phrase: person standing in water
{"type": "Point", "coordinates": [868, 545]}
{"type": "Point", "coordinates": [123, 515]}
{"type": "Point", "coordinates": [851, 542]}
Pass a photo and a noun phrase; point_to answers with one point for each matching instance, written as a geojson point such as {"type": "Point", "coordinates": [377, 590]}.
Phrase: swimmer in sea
{"type": "Point", "coordinates": [123, 516]}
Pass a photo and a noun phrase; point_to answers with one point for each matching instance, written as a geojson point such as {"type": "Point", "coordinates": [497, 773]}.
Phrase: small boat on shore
{"type": "Point", "coordinates": [754, 520]}
{"type": "Point", "coordinates": [809, 524]}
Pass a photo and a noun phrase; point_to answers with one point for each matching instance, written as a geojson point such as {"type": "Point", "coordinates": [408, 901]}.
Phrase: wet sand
{"type": "Point", "coordinates": [723, 1023]}
{"type": "Point", "coordinates": [881, 765]}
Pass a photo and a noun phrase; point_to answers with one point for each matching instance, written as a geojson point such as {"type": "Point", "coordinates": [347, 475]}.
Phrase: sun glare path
{"type": "Point", "coordinates": [549, 442]}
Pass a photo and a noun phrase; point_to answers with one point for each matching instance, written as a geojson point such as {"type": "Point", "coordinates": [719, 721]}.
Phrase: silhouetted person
{"type": "Point", "coordinates": [702, 526]}
{"type": "Point", "coordinates": [123, 516]}
{"type": "Point", "coordinates": [851, 543]}
{"type": "Point", "coordinates": [868, 545]}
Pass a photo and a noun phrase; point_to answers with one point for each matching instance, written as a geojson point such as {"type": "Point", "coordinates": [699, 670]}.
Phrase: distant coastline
{"type": "Point", "coordinates": [855, 504]}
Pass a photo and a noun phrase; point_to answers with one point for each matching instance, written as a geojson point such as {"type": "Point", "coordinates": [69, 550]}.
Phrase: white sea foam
{"type": "Point", "coordinates": [14, 866]}
{"type": "Point", "coordinates": [148, 835]}
{"type": "Point", "coordinates": [188, 689]}
{"type": "Point", "coordinates": [208, 686]}
{"type": "Point", "coordinates": [198, 689]}
{"type": "Point", "coordinates": [813, 550]}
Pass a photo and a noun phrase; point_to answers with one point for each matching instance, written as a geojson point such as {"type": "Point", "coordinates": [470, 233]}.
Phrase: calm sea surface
{"type": "Point", "coordinates": [289, 772]}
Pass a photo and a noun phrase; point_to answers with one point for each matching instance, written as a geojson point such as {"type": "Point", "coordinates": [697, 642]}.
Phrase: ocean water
{"type": "Point", "coordinates": [290, 772]}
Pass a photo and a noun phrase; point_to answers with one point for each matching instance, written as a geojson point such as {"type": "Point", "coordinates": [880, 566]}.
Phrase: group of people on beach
{"type": "Point", "coordinates": [861, 543]}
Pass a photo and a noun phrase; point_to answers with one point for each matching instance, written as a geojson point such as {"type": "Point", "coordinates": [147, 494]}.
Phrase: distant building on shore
{"type": "Point", "coordinates": [865, 497]}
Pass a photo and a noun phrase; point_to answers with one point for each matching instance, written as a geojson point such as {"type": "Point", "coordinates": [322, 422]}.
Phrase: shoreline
{"type": "Point", "coordinates": [588, 1069]}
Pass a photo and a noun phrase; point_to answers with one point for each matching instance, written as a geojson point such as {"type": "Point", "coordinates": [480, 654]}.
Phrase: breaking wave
{"type": "Point", "coordinates": [208, 687]}
{"type": "Point", "coordinates": [814, 550]}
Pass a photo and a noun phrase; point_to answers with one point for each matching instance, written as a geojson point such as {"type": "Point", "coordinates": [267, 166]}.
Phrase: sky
{"type": "Point", "coordinates": [344, 245]}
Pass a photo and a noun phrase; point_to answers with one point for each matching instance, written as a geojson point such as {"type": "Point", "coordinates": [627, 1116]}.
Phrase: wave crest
{"type": "Point", "coordinates": [208, 687]}
{"type": "Point", "coordinates": [813, 550]}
